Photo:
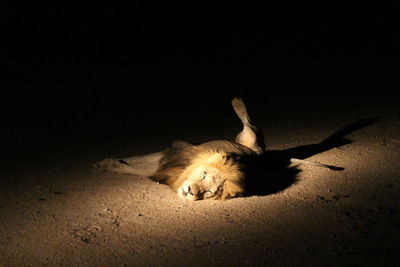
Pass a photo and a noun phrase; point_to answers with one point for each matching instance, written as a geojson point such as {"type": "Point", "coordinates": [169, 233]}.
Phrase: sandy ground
{"type": "Point", "coordinates": [56, 211]}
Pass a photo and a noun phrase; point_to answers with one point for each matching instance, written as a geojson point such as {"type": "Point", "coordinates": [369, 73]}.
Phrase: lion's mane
{"type": "Point", "coordinates": [178, 162]}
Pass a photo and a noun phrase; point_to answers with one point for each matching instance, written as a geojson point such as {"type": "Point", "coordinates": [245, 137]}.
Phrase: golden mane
{"type": "Point", "coordinates": [229, 170]}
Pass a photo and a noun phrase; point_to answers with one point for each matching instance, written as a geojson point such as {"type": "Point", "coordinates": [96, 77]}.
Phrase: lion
{"type": "Point", "coordinates": [211, 170]}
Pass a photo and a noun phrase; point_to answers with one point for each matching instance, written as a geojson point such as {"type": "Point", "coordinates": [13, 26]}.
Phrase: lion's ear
{"type": "Point", "coordinates": [231, 190]}
{"type": "Point", "coordinates": [215, 158]}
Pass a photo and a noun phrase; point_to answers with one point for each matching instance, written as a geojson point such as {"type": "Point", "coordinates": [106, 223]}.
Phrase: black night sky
{"type": "Point", "coordinates": [64, 52]}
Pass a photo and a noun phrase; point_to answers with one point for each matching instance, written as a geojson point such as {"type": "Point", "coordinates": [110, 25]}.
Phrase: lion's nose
{"type": "Point", "coordinates": [184, 192]}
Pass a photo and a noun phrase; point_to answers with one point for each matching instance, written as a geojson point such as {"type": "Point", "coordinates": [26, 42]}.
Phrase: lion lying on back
{"type": "Point", "coordinates": [212, 170]}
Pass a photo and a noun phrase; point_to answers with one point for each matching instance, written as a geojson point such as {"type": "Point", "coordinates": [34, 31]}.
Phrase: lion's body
{"type": "Point", "coordinates": [212, 170]}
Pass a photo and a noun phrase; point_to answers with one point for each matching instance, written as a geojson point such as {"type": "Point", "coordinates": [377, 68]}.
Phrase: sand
{"type": "Point", "coordinates": [55, 210]}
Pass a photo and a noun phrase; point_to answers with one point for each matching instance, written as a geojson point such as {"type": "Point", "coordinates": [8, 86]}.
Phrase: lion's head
{"type": "Point", "coordinates": [212, 175]}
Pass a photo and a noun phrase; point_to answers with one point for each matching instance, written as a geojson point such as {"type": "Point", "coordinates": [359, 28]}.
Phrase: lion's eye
{"type": "Point", "coordinates": [204, 175]}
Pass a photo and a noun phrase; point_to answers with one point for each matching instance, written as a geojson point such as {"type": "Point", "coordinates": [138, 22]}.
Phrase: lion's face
{"type": "Point", "coordinates": [203, 182]}
{"type": "Point", "coordinates": [211, 175]}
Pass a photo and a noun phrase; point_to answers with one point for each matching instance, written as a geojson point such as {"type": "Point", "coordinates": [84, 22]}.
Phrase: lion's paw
{"type": "Point", "coordinates": [106, 164]}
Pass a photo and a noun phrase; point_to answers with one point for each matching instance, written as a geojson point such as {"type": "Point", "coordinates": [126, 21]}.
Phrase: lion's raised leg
{"type": "Point", "coordinates": [145, 165]}
{"type": "Point", "coordinates": [250, 136]}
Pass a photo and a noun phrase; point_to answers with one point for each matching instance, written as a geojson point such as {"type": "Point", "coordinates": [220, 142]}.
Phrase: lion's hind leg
{"type": "Point", "coordinates": [251, 136]}
{"type": "Point", "coordinates": [145, 165]}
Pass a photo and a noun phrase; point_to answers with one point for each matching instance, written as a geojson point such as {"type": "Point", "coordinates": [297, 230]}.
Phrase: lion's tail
{"type": "Point", "coordinates": [241, 111]}
{"type": "Point", "coordinates": [122, 167]}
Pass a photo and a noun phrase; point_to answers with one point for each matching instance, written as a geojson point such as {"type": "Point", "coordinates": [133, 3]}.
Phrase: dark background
{"type": "Point", "coordinates": [121, 72]}
{"type": "Point", "coordinates": [72, 53]}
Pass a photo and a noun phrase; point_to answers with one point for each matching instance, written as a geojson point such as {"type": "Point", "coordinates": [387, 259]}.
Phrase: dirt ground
{"type": "Point", "coordinates": [56, 211]}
